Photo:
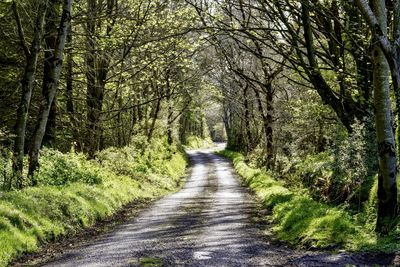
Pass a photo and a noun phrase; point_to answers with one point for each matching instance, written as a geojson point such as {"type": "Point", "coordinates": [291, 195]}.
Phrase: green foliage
{"type": "Point", "coordinates": [5, 166]}
{"type": "Point", "coordinates": [369, 215]}
{"type": "Point", "coordinates": [139, 160]}
{"type": "Point", "coordinates": [58, 168]}
{"type": "Point", "coordinates": [196, 142]}
{"type": "Point", "coordinates": [302, 221]}
{"type": "Point", "coordinates": [83, 193]}
{"type": "Point", "coordinates": [315, 173]}
{"type": "Point", "coordinates": [356, 161]}
{"type": "Point", "coordinates": [341, 174]}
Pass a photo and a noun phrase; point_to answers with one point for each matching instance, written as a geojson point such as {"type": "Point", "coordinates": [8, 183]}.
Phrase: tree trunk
{"type": "Point", "coordinates": [69, 94]}
{"type": "Point", "coordinates": [119, 128]}
{"type": "Point", "coordinates": [50, 42]}
{"type": "Point", "coordinates": [267, 123]}
{"type": "Point", "coordinates": [346, 109]}
{"type": "Point", "coordinates": [170, 112]}
{"type": "Point", "coordinates": [169, 122]}
{"type": "Point", "coordinates": [396, 37]}
{"type": "Point", "coordinates": [387, 189]}
{"type": "Point", "coordinates": [50, 87]}
{"type": "Point", "coordinates": [50, 38]}
{"type": "Point", "coordinates": [154, 119]}
{"type": "Point", "coordinates": [93, 92]}
{"type": "Point", "coordinates": [269, 130]}
{"type": "Point", "coordinates": [132, 120]}
{"type": "Point", "coordinates": [249, 144]}
{"type": "Point", "coordinates": [28, 82]}
{"type": "Point", "coordinates": [49, 137]}
{"type": "Point", "coordinates": [97, 69]}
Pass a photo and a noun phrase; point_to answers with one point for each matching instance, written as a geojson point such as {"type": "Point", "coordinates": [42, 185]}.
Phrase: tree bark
{"type": "Point", "coordinates": [50, 87]}
{"type": "Point", "coordinates": [69, 94]}
{"type": "Point", "coordinates": [170, 111]}
{"type": "Point", "coordinates": [50, 38]}
{"type": "Point", "coordinates": [50, 41]}
{"type": "Point", "coordinates": [396, 38]}
{"type": "Point", "coordinates": [50, 133]}
{"type": "Point", "coordinates": [94, 94]}
{"type": "Point", "coordinates": [249, 136]}
{"type": "Point", "coordinates": [154, 119]}
{"type": "Point", "coordinates": [27, 83]}
{"type": "Point", "coordinates": [387, 188]}
{"type": "Point", "coordinates": [269, 133]}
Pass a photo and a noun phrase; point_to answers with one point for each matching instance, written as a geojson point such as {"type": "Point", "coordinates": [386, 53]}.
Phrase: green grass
{"type": "Point", "coordinates": [196, 142]}
{"type": "Point", "coordinates": [83, 193]}
{"type": "Point", "coordinates": [301, 221]}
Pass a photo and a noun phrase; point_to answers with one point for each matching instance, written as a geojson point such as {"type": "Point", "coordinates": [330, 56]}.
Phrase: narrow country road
{"type": "Point", "coordinates": [207, 223]}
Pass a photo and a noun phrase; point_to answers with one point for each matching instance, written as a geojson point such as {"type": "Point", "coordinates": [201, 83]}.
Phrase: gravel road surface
{"type": "Point", "coordinates": [207, 223]}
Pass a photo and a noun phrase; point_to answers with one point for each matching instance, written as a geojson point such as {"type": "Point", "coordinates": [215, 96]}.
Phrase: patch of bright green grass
{"type": "Point", "coordinates": [302, 221]}
{"type": "Point", "coordinates": [151, 262]}
{"type": "Point", "coordinates": [80, 197]}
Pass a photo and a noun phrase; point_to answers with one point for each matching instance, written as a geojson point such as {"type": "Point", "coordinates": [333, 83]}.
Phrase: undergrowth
{"type": "Point", "coordinates": [302, 221]}
{"type": "Point", "coordinates": [74, 193]}
{"type": "Point", "coordinates": [196, 142]}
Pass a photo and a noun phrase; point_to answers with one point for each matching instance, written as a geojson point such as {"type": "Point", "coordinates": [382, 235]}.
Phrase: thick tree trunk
{"type": "Point", "coordinates": [387, 189]}
{"type": "Point", "coordinates": [28, 82]}
{"type": "Point", "coordinates": [50, 87]}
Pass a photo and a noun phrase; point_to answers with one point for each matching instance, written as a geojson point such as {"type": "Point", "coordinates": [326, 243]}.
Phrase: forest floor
{"type": "Point", "coordinates": [212, 221]}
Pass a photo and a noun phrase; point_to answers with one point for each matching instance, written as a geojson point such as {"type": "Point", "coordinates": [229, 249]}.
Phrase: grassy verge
{"type": "Point", "coordinates": [196, 142]}
{"type": "Point", "coordinates": [304, 222]}
{"type": "Point", "coordinates": [75, 193]}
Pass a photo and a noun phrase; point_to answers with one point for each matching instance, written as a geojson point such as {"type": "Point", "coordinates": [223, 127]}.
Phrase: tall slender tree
{"type": "Point", "coordinates": [27, 84]}
{"type": "Point", "coordinates": [50, 85]}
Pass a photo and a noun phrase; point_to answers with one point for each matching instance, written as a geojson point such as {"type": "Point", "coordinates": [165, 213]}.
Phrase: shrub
{"type": "Point", "coordinates": [57, 168]}
{"type": "Point", "coordinates": [196, 142]}
{"type": "Point", "coordinates": [158, 158]}
{"type": "Point", "coordinates": [74, 193]}
{"type": "Point", "coordinates": [5, 167]}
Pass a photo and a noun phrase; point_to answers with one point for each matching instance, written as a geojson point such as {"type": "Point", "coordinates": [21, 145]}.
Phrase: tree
{"type": "Point", "coordinates": [27, 84]}
{"type": "Point", "coordinates": [50, 85]}
{"type": "Point", "coordinates": [387, 184]}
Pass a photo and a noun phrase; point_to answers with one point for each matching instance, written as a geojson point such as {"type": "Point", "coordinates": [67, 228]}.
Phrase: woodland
{"type": "Point", "coordinates": [100, 98]}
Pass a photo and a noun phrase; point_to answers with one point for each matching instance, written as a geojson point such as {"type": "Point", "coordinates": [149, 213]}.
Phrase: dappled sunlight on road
{"type": "Point", "coordinates": [207, 223]}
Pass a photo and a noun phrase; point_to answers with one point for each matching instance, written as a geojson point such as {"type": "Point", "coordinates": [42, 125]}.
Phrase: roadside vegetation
{"type": "Point", "coordinates": [304, 221]}
{"type": "Point", "coordinates": [196, 142]}
{"type": "Point", "coordinates": [74, 193]}
{"type": "Point", "coordinates": [97, 96]}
